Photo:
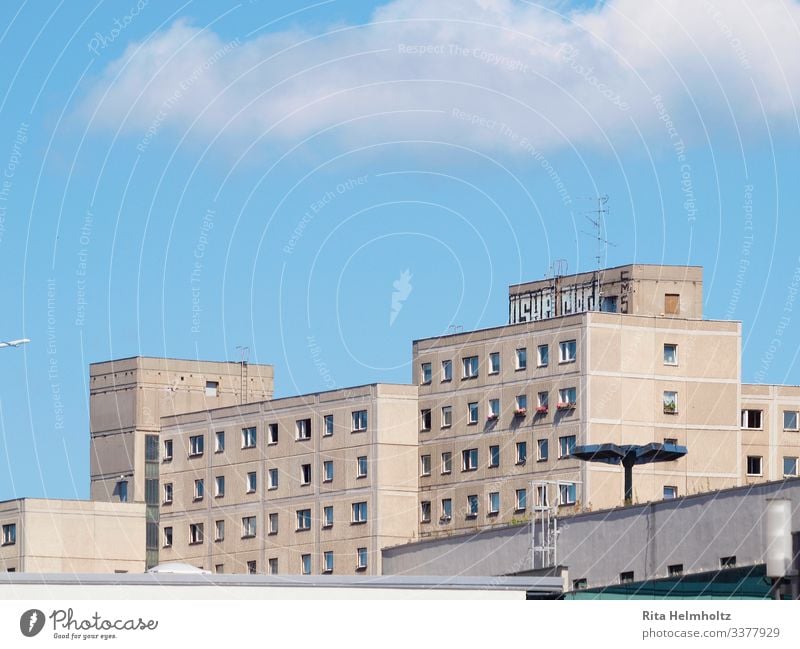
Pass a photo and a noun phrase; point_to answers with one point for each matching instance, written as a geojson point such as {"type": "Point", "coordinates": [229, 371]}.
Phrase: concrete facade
{"type": "Point", "coordinates": [691, 534]}
{"type": "Point", "coordinates": [71, 536]}
{"type": "Point", "coordinates": [264, 493]}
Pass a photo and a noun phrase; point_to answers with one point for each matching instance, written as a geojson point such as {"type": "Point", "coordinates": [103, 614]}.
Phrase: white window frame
{"type": "Point", "coordinates": [796, 419]}
{"type": "Point", "coordinates": [199, 489]}
{"type": "Point", "coordinates": [425, 373]}
{"type": "Point", "coordinates": [674, 491]}
{"type": "Point", "coordinates": [424, 465]}
{"type": "Point", "coordinates": [362, 558]}
{"type": "Point", "coordinates": [521, 452]}
{"type": "Point", "coordinates": [745, 417]}
{"type": "Point", "coordinates": [327, 561]}
{"type": "Point", "coordinates": [272, 565]}
{"type": "Point", "coordinates": [302, 519]}
{"type": "Point", "coordinates": [272, 433]}
{"type": "Point", "coordinates": [470, 367]}
{"type": "Point", "coordinates": [674, 348]}
{"type": "Point", "coordinates": [447, 371]}
{"type": "Point", "coordinates": [542, 355]}
{"type": "Point", "coordinates": [473, 413]}
{"type": "Point", "coordinates": [273, 523]}
{"type": "Point", "coordinates": [219, 441]}
{"type": "Point", "coordinates": [469, 459]}
{"type": "Point", "coordinates": [327, 425]}
{"type": "Point", "coordinates": [327, 471]}
{"type": "Point", "coordinates": [302, 429]}
{"type": "Point", "coordinates": [570, 490]}
{"type": "Point", "coordinates": [360, 421]}
{"type": "Point", "coordinates": [196, 445]}
{"type": "Point", "coordinates": [520, 500]}
{"type": "Point", "coordinates": [494, 454]}
{"type": "Point", "coordinates": [168, 450]}
{"type": "Point", "coordinates": [219, 530]}
{"type": "Point", "coordinates": [252, 482]}
{"type": "Point", "coordinates": [521, 404]}
{"type": "Point", "coordinates": [9, 534]}
{"type": "Point", "coordinates": [425, 419]}
{"type": "Point", "coordinates": [249, 437]}
{"type": "Point", "coordinates": [796, 467]}
{"type": "Point", "coordinates": [249, 527]}
{"type": "Point", "coordinates": [494, 363]}
{"type": "Point", "coordinates": [327, 516]}
{"type": "Point", "coordinates": [542, 449]}
{"type": "Point", "coordinates": [212, 388]}
{"type": "Point", "coordinates": [447, 416]}
{"type": "Point", "coordinates": [219, 486]}
{"type": "Point", "coordinates": [567, 351]}
{"type": "Point", "coordinates": [670, 401]}
{"type": "Point", "coordinates": [567, 398]}
{"type": "Point", "coordinates": [494, 409]}
{"type": "Point", "coordinates": [473, 506]}
{"type": "Point", "coordinates": [493, 503]}
{"type": "Point", "coordinates": [306, 474]}
{"type": "Point", "coordinates": [359, 512]}
{"type": "Point", "coordinates": [272, 478]}
{"type": "Point", "coordinates": [425, 511]}
{"type": "Point", "coordinates": [196, 534]}
{"type": "Point", "coordinates": [447, 462]}
{"type": "Point", "coordinates": [305, 564]}
{"type": "Point", "coordinates": [362, 466]}
{"type": "Point", "coordinates": [563, 443]}
{"type": "Point", "coordinates": [521, 358]}
{"type": "Point", "coordinates": [446, 505]}
{"type": "Point", "coordinates": [168, 493]}
{"type": "Point", "coordinates": [167, 537]}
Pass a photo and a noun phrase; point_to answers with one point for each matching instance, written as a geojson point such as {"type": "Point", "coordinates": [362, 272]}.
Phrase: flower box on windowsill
{"type": "Point", "coordinates": [521, 412]}
{"type": "Point", "coordinates": [541, 410]}
{"type": "Point", "coordinates": [670, 410]}
{"type": "Point", "coordinates": [491, 417]}
{"type": "Point", "coordinates": [566, 405]}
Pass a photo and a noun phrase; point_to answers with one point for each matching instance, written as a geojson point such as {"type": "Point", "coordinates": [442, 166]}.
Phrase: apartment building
{"type": "Point", "coordinates": [502, 408]}
{"type": "Point", "coordinates": [128, 397]}
{"type": "Point", "coordinates": [71, 536]}
{"type": "Point", "coordinates": [312, 484]}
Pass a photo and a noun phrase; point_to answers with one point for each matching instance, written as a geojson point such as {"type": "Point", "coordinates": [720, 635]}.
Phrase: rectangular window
{"type": "Point", "coordinates": [252, 567]}
{"type": "Point", "coordinates": [494, 363]}
{"type": "Point", "coordinates": [670, 402]}
{"type": "Point", "coordinates": [566, 445]}
{"type": "Point", "coordinates": [472, 506]}
{"type": "Point", "coordinates": [212, 388]}
{"type": "Point", "coordinates": [675, 570]}
{"type": "Point", "coordinates": [195, 533]}
{"type": "Point", "coordinates": [327, 471]}
{"type": "Point", "coordinates": [9, 534]}
{"type": "Point", "coordinates": [670, 354]}
{"type": "Point", "coordinates": [472, 410]}
{"type": "Point", "coordinates": [542, 402]}
{"type": "Point", "coordinates": [447, 416]}
{"type": "Point", "coordinates": [626, 577]}
{"type": "Point", "coordinates": [493, 503]}
{"type": "Point", "coordinates": [670, 492]}
{"type": "Point", "coordinates": [272, 478]}
{"type": "Point", "coordinates": [219, 568]}
{"type": "Point", "coordinates": [425, 373]}
{"type": "Point", "coordinates": [672, 304]}
{"type": "Point", "coordinates": [424, 465]}
{"type": "Point", "coordinates": [789, 420]}
{"type": "Point", "coordinates": [751, 419]}
{"type": "Point", "coordinates": [522, 358]}
{"type": "Point", "coordinates": [727, 562]}
{"type": "Point", "coordinates": [521, 404]}
{"type": "Point", "coordinates": [302, 429]}
{"type": "Point", "coordinates": [327, 426]}
{"type": "Point", "coordinates": [789, 466]}
{"type": "Point", "coordinates": [305, 564]}
{"type": "Point", "coordinates": [581, 584]}
{"type": "Point", "coordinates": [494, 456]}
{"type": "Point", "coordinates": [272, 522]}
{"type": "Point", "coordinates": [566, 493]}
{"type": "Point", "coordinates": [305, 474]}
{"type": "Point", "coordinates": [199, 489]}
{"type": "Point", "coordinates": [608, 303]}
{"type": "Point", "coordinates": [303, 519]}
{"type": "Point", "coordinates": [219, 441]}
{"type": "Point", "coordinates": [447, 371]}
{"type": "Point", "coordinates": [273, 565]}
{"type": "Point", "coordinates": [470, 367]}
{"type": "Point", "coordinates": [447, 462]}
{"type": "Point", "coordinates": [167, 493]}
{"type": "Point", "coordinates": [167, 537]}
{"type": "Point", "coordinates": [219, 486]}
{"type": "Point", "coordinates": [196, 445]}
{"type": "Point", "coordinates": [327, 561]}
{"type": "Point", "coordinates": [362, 466]}
{"type": "Point", "coordinates": [272, 434]}
{"type": "Point", "coordinates": [219, 530]}
{"type": "Point", "coordinates": [425, 511]}
{"type": "Point", "coordinates": [447, 509]}
{"type": "Point", "coordinates": [248, 527]}
{"type": "Point", "coordinates": [249, 437]}
{"type": "Point", "coordinates": [521, 500]}
{"type": "Point", "coordinates": [670, 441]}
{"type": "Point", "coordinates": [251, 482]}
{"type": "Point", "coordinates": [359, 420]}
{"type": "Point", "coordinates": [494, 409]}
{"type": "Point", "coordinates": [361, 559]}
{"type": "Point", "coordinates": [542, 496]}
{"type": "Point", "coordinates": [522, 452]}
{"type": "Point", "coordinates": [542, 356]}
{"type": "Point", "coordinates": [121, 490]}
{"type": "Point", "coordinates": [425, 419]}
{"type": "Point", "coordinates": [469, 459]}
{"type": "Point", "coordinates": [167, 450]}
{"type": "Point", "coordinates": [327, 516]}
{"type": "Point", "coordinates": [359, 512]}
{"type": "Point", "coordinates": [567, 398]}
{"type": "Point", "coordinates": [542, 449]}
{"type": "Point", "coordinates": [566, 351]}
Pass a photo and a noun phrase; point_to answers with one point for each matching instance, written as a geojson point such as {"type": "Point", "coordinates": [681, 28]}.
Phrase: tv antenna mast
{"type": "Point", "coordinates": [598, 222]}
{"type": "Point", "coordinates": [244, 392]}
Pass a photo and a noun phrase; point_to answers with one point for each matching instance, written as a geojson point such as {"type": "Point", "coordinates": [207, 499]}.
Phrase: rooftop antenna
{"type": "Point", "coordinates": [598, 222]}
{"type": "Point", "coordinates": [244, 393]}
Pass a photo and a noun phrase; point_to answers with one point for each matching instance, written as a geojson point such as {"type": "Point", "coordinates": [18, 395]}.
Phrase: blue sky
{"type": "Point", "coordinates": [212, 175]}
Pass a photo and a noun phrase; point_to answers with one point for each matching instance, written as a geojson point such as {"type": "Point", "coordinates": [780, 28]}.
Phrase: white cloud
{"type": "Point", "coordinates": [528, 71]}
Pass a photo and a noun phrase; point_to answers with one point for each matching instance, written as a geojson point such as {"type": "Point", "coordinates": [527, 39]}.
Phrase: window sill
{"type": "Point", "coordinates": [445, 473]}
{"type": "Point", "coordinates": [670, 412]}
{"type": "Point", "coordinates": [748, 428]}
{"type": "Point", "coordinates": [195, 543]}
{"type": "Point", "coordinates": [443, 426]}
{"type": "Point", "coordinates": [520, 463]}
{"type": "Point", "coordinates": [494, 373]}
{"type": "Point", "coordinates": [3, 545]}
{"type": "Point", "coordinates": [471, 516]}
{"type": "Point", "coordinates": [538, 367]}
{"type": "Point", "coordinates": [542, 459]}
{"type": "Point", "coordinates": [566, 362]}
{"type": "Point", "coordinates": [248, 536]}
{"type": "Point", "coordinates": [520, 510]}
{"type": "Point", "coordinates": [360, 568]}
{"type": "Point", "coordinates": [469, 378]}
{"type": "Point", "coordinates": [249, 491]}
{"type": "Point", "coordinates": [167, 502]}
{"type": "Point", "coordinates": [425, 383]}
{"type": "Point", "coordinates": [197, 500]}
{"type": "Point", "coordinates": [191, 455]}
{"type": "Point", "coordinates": [472, 423]}
{"type": "Point", "coordinates": [492, 514]}
{"type": "Point", "coordinates": [493, 466]}
{"type": "Point", "coordinates": [302, 529]}
{"type": "Point", "coordinates": [305, 484]}
{"type": "Point", "coordinates": [169, 459]}
{"type": "Point", "coordinates": [446, 381]}
{"type": "Point", "coordinates": [755, 475]}
{"type": "Point", "coordinates": [425, 521]}
{"type": "Point", "coordinates": [358, 522]}
{"type": "Point", "coordinates": [425, 430]}
{"type": "Point", "coordinates": [468, 470]}
{"type": "Point", "coordinates": [327, 434]}
{"type": "Point", "coordinates": [166, 547]}
{"type": "Point", "coordinates": [302, 439]}
{"type": "Point", "coordinates": [359, 430]}
{"type": "Point", "coordinates": [272, 488]}
{"type": "Point", "coordinates": [272, 533]}
{"type": "Point", "coordinates": [520, 369]}
{"type": "Point", "coordinates": [223, 495]}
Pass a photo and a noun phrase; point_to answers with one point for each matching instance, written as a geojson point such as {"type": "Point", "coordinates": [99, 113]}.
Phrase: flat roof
{"type": "Point", "coordinates": [172, 358]}
{"type": "Point", "coordinates": [602, 270]}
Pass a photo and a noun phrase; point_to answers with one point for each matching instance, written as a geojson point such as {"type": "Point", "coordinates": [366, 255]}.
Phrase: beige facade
{"type": "Point", "coordinates": [71, 536]}
{"type": "Point", "coordinates": [278, 487]}
{"type": "Point", "coordinates": [604, 380]}
{"type": "Point", "coordinates": [128, 398]}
